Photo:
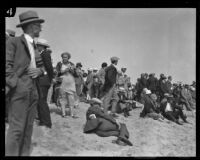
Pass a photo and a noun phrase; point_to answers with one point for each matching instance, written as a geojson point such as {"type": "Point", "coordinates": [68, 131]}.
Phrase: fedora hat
{"type": "Point", "coordinates": [42, 42]}
{"type": "Point", "coordinates": [28, 17]}
{"type": "Point", "coordinates": [95, 101]}
{"type": "Point", "coordinates": [114, 59]}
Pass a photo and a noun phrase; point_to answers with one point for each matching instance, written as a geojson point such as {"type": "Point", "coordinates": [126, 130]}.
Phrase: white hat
{"type": "Point", "coordinates": [96, 100]}
{"type": "Point", "coordinates": [42, 42]}
{"type": "Point", "coordinates": [148, 91]}
{"type": "Point", "coordinates": [95, 69]}
{"type": "Point", "coordinates": [90, 69]}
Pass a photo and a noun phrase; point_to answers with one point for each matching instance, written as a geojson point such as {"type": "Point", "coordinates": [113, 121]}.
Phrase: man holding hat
{"type": "Point", "coordinates": [21, 80]}
{"type": "Point", "coordinates": [44, 84]}
{"type": "Point", "coordinates": [109, 88]}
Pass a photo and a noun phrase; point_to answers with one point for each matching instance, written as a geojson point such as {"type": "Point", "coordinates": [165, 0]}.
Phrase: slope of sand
{"type": "Point", "coordinates": [149, 137]}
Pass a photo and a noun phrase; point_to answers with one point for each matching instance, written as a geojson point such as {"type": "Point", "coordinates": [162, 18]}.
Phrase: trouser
{"type": "Point", "coordinates": [108, 128]}
{"type": "Point", "coordinates": [154, 115]}
{"type": "Point", "coordinates": [111, 97]}
{"type": "Point", "coordinates": [43, 108]}
{"type": "Point", "coordinates": [174, 116]}
{"type": "Point", "coordinates": [22, 112]}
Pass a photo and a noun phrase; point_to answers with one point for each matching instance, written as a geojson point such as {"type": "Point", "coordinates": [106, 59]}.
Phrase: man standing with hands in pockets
{"type": "Point", "coordinates": [21, 79]}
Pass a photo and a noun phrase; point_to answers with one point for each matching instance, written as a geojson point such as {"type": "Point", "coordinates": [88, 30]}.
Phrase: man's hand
{"type": "Point", "coordinates": [34, 72]}
{"type": "Point", "coordinates": [7, 89]}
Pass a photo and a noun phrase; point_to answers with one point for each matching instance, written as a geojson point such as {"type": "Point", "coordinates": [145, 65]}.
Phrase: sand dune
{"type": "Point", "coordinates": [149, 137]}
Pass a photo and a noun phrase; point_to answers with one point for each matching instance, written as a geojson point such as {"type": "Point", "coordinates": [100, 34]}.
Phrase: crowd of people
{"type": "Point", "coordinates": [109, 91]}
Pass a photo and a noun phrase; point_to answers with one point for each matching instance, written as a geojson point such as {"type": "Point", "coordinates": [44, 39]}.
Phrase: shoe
{"type": "Point", "coordinates": [74, 116]}
{"type": "Point", "coordinates": [64, 116]}
{"type": "Point", "coordinates": [125, 140]}
{"type": "Point", "coordinates": [179, 123]}
{"type": "Point", "coordinates": [121, 143]}
{"type": "Point", "coordinates": [114, 115]}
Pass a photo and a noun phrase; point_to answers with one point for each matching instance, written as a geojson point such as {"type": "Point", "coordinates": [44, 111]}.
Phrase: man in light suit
{"type": "Point", "coordinates": [21, 81]}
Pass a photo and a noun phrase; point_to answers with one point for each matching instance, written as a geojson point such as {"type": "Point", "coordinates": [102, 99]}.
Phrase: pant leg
{"type": "Point", "coordinates": [114, 100]}
{"type": "Point", "coordinates": [107, 99]}
{"type": "Point", "coordinates": [123, 131]}
{"type": "Point", "coordinates": [107, 133]}
{"type": "Point", "coordinates": [19, 135]}
{"type": "Point", "coordinates": [43, 108]}
{"type": "Point", "coordinates": [169, 115]}
{"type": "Point", "coordinates": [26, 145]}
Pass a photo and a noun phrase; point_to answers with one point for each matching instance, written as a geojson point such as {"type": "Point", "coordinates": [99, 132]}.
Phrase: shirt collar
{"type": "Point", "coordinates": [28, 38]}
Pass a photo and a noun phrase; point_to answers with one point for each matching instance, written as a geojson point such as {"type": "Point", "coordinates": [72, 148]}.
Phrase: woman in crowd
{"type": "Point", "coordinates": [67, 88]}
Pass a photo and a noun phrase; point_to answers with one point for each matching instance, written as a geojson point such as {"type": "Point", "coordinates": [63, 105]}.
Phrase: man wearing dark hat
{"type": "Point", "coordinates": [44, 84]}
{"type": "Point", "coordinates": [109, 88]}
{"type": "Point", "coordinates": [22, 72]}
{"type": "Point", "coordinates": [103, 124]}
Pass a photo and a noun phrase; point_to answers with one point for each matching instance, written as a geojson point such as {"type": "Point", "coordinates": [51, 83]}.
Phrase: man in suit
{"type": "Point", "coordinates": [9, 34]}
{"type": "Point", "coordinates": [21, 81]}
{"type": "Point", "coordinates": [171, 110]}
{"type": "Point", "coordinates": [109, 88]}
{"type": "Point", "coordinates": [44, 84]}
{"type": "Point", "coordinates": [103, 124]}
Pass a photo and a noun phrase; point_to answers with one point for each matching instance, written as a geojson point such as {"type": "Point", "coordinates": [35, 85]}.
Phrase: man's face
{"type": "Point", "coordinates": [36, 28]}
{"type": "Point", "coordinates": [41, 48]}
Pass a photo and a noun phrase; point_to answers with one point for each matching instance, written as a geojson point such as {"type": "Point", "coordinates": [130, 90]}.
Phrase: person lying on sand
{"type": "Point", "coordinates": [104, 125]}
{"type": "Point", "coordinates": [171, 110]}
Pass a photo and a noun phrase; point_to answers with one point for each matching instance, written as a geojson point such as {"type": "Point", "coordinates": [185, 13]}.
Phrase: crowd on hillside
{"type": "Point", "coordinates": [108, 90]}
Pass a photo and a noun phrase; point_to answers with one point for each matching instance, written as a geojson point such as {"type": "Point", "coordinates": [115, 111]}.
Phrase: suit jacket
{"type": "Point", "coordinates": [173, 105]}
{"type": "Point", "coordinates": [148, 105]}
{"type": "Point", "coordinates": [17, 62]}
{"type": "Point", "coordinates": [46, 79]}
{"type": "Point", "coordinates": [152, 83]}
{"type": "Point", "coordinates": [110, 77]}
{"type": "Point", "coordinates": [92, 124]}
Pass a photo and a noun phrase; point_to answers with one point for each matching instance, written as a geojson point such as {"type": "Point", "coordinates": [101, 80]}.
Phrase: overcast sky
{"type": "Point", "coordinates": [145, 40]}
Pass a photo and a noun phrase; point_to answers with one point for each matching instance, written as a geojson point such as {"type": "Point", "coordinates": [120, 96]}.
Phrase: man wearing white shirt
{"type": "Point", "coordinates": [21, 80]}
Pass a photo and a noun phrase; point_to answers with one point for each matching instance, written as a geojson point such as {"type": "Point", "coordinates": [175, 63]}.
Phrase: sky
{"type": "Point", "coordinates": [147, 40]}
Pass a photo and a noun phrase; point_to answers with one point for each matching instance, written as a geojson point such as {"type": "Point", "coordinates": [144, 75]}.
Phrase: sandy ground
{"type": "Point", "coordinates": [149, 137]}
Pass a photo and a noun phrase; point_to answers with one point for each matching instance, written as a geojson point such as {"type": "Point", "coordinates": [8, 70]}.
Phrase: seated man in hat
{"type": "Point", "coordinates": [171, 110]}
{"type": "Point", "coordinates": [103, 124]}
{"type": "Point", "coordinates": [150, 108]}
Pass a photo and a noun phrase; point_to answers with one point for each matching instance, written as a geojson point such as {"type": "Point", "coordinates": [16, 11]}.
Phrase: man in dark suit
{"type": "Point", "coordinates": [44, 84]}
{"type": "Point", "coordinates": [171, 110]}
{"type": "Point", "coordinates": [21, 81]}
{"type": "Point", "coordinates": [103, 124]}
{"type": "Point", "coordinates": [109, 88]}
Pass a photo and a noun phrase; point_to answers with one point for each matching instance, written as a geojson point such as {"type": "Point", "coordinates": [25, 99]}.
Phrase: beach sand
{"type": "Point", "coordinates": [150, 138]}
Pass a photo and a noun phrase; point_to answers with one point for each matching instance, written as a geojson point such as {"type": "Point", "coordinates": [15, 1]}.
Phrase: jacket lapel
{"type": "Point", "coordinates": [25, 44]}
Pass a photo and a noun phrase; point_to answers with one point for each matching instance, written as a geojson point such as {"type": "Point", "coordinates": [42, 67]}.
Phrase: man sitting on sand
{"type": "Point", "coordinates": [105, 125]}
{"type": "Point", "coordinates": [171, 110]}
{"type": "Point", "coordinates": [150, 109]}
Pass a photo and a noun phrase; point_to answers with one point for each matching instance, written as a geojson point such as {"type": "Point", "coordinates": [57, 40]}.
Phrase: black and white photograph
{"type": "Point", "coordinates": [105, 82]}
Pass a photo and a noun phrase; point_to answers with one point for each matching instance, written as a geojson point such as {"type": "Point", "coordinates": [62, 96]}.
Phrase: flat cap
{"type": "Point", "coordinates": [114, 58]}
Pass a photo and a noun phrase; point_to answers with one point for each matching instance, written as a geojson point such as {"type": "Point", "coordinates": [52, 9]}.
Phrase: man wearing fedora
{"type": "Point", "coordinates": [21, 80]}
{"type": "Point", "coordinates": [110, 90]}
{"type": "Point", "coordinates": [104, 125]}
{"type": "Point", "coordinates": [44, 84]}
